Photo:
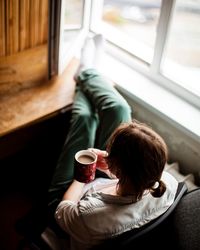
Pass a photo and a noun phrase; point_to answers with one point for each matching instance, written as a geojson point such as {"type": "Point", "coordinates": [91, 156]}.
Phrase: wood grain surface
{"type": "Point", "coordinates": [25, 93]}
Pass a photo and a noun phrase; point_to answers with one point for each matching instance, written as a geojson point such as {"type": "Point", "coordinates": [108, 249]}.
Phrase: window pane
{"type": "Point", "coordinates": [71, 30]}
{"type": "Point", "coordinates": [182, 57]}
{"type": "Point", "coordinates": [132, 25]}
{"type": "Point", "coordinates": [73, 14]}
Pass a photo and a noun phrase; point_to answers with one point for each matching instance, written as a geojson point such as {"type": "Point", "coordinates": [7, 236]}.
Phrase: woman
{"type": "Point", "coordinates": [134, 188]}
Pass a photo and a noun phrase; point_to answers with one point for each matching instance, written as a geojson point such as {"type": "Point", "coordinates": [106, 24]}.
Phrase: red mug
{"type": "Point", "coordinates": [85, 166]}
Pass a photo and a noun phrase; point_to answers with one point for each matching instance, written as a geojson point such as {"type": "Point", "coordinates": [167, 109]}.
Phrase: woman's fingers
{"type": "Point", "coordinates": [101, 154]}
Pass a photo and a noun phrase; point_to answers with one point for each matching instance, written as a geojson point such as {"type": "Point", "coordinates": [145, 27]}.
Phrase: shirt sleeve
{"type": "Point", "coordinates": [70, 220]}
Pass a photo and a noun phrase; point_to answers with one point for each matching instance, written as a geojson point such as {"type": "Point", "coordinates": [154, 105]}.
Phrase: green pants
{"type": "Point", "coordinates": [97, 110]}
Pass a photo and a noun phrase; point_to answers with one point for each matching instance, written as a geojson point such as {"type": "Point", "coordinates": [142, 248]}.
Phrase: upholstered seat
{"type": "Point", "coordinates": [186, 221]}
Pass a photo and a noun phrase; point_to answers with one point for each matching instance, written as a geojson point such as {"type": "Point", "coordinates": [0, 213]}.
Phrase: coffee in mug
{"type": "Point", "coordinates": [85, 166]}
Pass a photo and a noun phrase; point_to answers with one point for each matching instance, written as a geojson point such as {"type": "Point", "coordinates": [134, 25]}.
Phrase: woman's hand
{"type": "Point", "coordinates": [101, 161]}
{"type": "Point", "coordinates": [101, 155]}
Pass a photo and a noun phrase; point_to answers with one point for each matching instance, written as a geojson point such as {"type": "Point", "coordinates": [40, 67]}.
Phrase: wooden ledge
{"type": "Point", "coordinates": [24, 106]}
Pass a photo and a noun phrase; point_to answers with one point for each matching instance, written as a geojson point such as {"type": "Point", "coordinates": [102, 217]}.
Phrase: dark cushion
{"type": "Point", "coordinates": [186, 221]}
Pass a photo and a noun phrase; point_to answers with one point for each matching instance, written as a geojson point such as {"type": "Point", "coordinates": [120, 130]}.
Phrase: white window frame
{"type": "Point", "coordinates": [152, 71]}
{"type": "Point", "coordinates": [64, 56]}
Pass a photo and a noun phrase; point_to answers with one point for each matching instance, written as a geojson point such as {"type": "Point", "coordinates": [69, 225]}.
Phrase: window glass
{"type": "Point", "coordinates": [73, 14]}
{"type": "Point", "coordinates": [182, 55]}
{"type": "Point", "coordinates": [73, 17]}
{"type": "Point", "coordinates": [72, 24]}
{"type": "Point", "coordinates": [132, 25]}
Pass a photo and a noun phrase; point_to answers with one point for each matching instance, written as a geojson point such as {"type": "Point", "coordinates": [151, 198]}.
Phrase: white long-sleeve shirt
{"type": "Point", "coordinates": [98, 216]}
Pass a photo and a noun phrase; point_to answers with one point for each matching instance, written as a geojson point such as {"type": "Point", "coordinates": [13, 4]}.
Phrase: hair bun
{"type": "Point", "coordinates": [156, 185]}
{"type": "Point", "coordinates": [158, 189]}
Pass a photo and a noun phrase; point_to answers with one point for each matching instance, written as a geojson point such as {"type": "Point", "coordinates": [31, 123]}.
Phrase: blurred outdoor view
{"type": "Point", "coordinates": [138, 19]}
{"type": "Point", "coordinates": [73, 14]}
{"type": "Point", "coordinates": [182, 61]}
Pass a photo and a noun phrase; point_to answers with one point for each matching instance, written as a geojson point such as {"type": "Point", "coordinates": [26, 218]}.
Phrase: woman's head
{"type": "Point", "coordinates": [137, 155]}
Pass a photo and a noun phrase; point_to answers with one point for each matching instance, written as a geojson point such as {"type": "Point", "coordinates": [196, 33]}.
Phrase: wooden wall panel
{"type": "Point", "coordinates": [12, 27]}
{"type": "Point", "coordinates": [15, 26]}
{"type": "Point", "coordinates": [34, 24]}
{"type": "Point", "coordinates": [43, 27]}
{"type": "Point", "coordinates": [23, 25]}
{"type": "Point", "coordinates": [2, 28]}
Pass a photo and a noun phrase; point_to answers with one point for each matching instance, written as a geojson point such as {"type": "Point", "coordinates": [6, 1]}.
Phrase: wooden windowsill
{"type": "Point", "coordinates": [25, 106]}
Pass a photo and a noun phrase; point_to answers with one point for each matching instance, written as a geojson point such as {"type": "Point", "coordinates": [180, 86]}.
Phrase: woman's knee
{"type": "Point", "coordinates": [82, 116]}
{"type": "Point", "coordinates": [84, 120]}
{"type": "Point", "coordinates": [121, 112]}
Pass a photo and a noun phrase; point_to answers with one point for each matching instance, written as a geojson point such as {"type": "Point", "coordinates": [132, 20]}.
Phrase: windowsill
{"type": "Point", "coordinates": [22, 106]}
{"type": "Point", "coordinates": [178, 112]}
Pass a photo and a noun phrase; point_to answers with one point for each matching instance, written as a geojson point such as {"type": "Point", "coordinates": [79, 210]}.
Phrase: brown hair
{"type": "Point", "coordinates": [137, 155]}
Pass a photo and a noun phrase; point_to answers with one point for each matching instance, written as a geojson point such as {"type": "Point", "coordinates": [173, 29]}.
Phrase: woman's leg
{"type": "Point", "coordinates": [81, 135]}
{"type": "Point", "coordinates": [112, 108]}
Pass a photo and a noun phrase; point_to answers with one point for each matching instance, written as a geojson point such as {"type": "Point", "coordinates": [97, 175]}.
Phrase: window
{"type": "Point", "coordinates": [162, 35]}
{"type": "Point", "coordinates": [182, 58]}
{"type": "Point", "coordinates": [74, 25]}
{"type": "Point", "coordinates": [158, 38]}
{"type": "Point", "coordinates": [73, 14]}
{"type": "Point", "coordinates": [129, 24]}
